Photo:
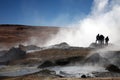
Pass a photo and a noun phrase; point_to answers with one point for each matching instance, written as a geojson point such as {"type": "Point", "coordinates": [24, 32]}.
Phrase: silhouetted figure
{"type": "Point", "coordinates": [97, 38]}
{"type": "Point", "coordinates": [101, 39]}
{"type": "Point", "coordinates": [106, 40]}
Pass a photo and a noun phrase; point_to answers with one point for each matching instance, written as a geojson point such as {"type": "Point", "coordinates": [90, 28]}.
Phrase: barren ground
{"type": "Point", "coordinates": [11, 35]}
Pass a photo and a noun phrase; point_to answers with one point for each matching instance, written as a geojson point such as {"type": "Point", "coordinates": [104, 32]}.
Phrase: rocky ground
{"type": "Point", "coordinates": [59, 62]}
{"type": "Point", "coordinates": [56, 62]}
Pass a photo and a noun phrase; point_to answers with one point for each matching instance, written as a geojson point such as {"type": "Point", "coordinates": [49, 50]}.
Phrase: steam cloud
{"type": "Point", "coordinates": [104, 18]}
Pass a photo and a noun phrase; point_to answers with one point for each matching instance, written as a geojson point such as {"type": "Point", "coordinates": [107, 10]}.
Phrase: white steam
{"type": "Point", "coordinates": [104, 19]}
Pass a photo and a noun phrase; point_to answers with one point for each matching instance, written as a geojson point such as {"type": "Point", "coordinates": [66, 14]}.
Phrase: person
{"type": "Point", "coordinates": [97, 38]}
{"type": "Point", "coordinates": [101, 39]}
{"type": "Point", "coordinates": [106, 40]}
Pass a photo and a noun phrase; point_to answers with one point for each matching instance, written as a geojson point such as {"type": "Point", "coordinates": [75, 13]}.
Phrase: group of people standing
{"type": "Point", "coordinates": [100, 39]}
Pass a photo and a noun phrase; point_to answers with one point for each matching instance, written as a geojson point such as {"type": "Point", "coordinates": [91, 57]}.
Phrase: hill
{"type": "Point", "coordinates": [11, 35]}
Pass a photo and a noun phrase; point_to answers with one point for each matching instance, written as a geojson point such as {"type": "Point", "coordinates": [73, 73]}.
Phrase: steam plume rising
{"type": "Point", "coordinates": [104, 18]}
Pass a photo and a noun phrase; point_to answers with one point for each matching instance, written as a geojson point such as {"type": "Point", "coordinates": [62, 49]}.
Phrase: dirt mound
{"type": "Point", "coordinates": [62, 45]}
{"type": "Point", "coordinates": [95, 45]}
{"type": "Point", "coordinates": [96, 58]}
{"type": "Point", "coordinates": [11, 55]}
{"type": "Point", "coordinates": [46, 64]}
{"type": "Point", "coordinates": [28, 47]}
{"type": "Point", "coordinates": [113, 68]}
{"type": "Point", "coordinates": [113, 57]}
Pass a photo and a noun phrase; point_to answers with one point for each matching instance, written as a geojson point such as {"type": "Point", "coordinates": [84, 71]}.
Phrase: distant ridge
{"type": "Point", "coordinates": [21, 25]}
{"type": "Point", "coordinates": [11, 25]}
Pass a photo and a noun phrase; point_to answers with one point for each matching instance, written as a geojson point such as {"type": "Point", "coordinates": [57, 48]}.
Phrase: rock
{"type": "Point", "coordinates": [15, 53]}
{"type": "Point", "coordinates": [113, 68]}
{"type": "Point", "coordinates": [75, 59]}
{"type": "Point", "coordinates": [62, 45]}
{"type": "Point", "coordinates": [14, 71]}
{"type": "Point", "coordinates": [106, 74]}
{"type": "Point", "coordinates": [3, 52]}
{"type": "Point", "coordinates": [95, 45]}
{"type": "Point", "coordinates": [69, 60]}
{"type": "Point", "coordinates": [83, 76]}
{"type": "Point", "coordinates": [64, 73]}
{"type": "Point", "coordinates": [22, 47]}
{"type": "Point", "coordinates": [12, 54]}
{"type": "Point", "coordinates": [46, 64]}
{"type": "Point", "coordinates": [62, 62]}
{"type": "Point", "coordinates": [96, 58]}
{"type": "Point", "coordinates": [113, 57]}
{"type": "Point", "coordinates": [29, 47]}
{"type": "Point", "coordinates": [47, 72]}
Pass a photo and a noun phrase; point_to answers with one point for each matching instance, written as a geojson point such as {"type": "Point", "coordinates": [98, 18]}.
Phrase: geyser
{"type": "Point", "coordinates": [103, 19]}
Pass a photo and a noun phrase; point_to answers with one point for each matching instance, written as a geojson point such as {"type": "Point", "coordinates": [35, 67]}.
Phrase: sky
{"type": "Point", "coordinates": [104, 18]}
{"type": "Point", "coordinates": [43, 12]}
